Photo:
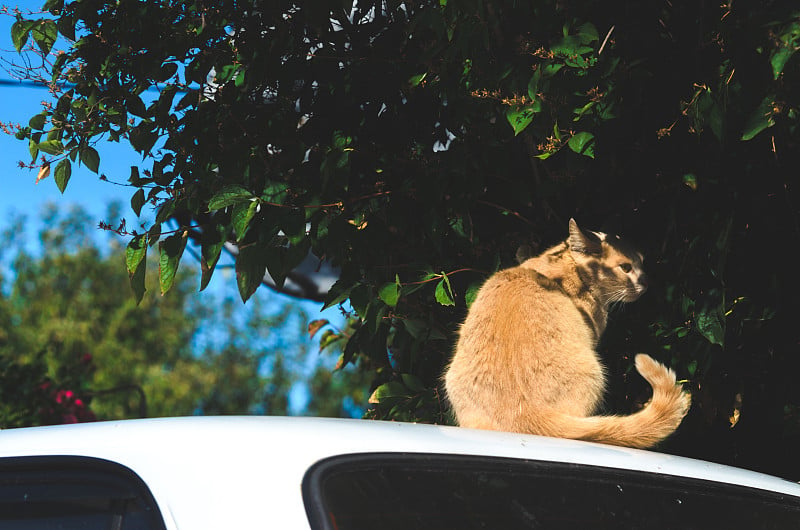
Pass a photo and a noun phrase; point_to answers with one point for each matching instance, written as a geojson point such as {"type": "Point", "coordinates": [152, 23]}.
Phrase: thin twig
{"type": "Point", "coordinates": [506, 210]}
{"type": "Point", "coordinates": [440, 276]}
{"type": "Point", "coordinates": [602, 46]}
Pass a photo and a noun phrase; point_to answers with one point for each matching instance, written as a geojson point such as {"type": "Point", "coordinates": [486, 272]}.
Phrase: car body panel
{"type": "Point", "coordinates": [197, 468]}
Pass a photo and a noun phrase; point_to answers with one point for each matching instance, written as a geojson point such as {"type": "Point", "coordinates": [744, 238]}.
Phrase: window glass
{"type": "Point", "coordinates": [72, 493]}
{"type": "Point", "coordinates": [390, 491]}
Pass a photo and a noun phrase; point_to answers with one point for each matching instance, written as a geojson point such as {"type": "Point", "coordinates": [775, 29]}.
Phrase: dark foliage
{"type": "Point", "coordinates": [418, 144]}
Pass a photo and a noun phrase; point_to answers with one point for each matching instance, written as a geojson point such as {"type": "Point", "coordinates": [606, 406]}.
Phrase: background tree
{"type": "Point", "coordinates": [416, 145]}
{"type": "Point", "coordinates": [74, 345]}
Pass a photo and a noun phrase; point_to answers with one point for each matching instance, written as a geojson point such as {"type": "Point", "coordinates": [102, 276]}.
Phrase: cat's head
{"type": "Point", "coordinates": [611, 267]}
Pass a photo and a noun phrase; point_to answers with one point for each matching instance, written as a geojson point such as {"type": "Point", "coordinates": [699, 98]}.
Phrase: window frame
{"type": "Point", "coordinates": [48, 479]}
{"type": "Point", "coordinates": [315, 502]}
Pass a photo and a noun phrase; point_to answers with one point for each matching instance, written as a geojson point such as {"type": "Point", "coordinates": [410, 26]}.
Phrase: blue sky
{"type": "Point", "coordinates": [20, 194]}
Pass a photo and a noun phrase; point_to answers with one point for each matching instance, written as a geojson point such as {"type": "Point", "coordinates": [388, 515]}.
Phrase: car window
{"type": "Point", "coordinates": [71, 493]}
{"type": "Point", "coordinates": [408, 491]}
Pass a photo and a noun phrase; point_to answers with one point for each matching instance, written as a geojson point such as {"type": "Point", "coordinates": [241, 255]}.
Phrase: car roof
{"type": "Point", "coordinates": [198, 467]}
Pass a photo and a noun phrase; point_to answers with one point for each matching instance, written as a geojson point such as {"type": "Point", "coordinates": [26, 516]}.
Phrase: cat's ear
{"type": "Point", "coordinates": [583, 242]}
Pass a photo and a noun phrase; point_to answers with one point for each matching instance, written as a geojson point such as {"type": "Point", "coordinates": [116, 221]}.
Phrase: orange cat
{"type": "Point", "coordinates": [526, 361]}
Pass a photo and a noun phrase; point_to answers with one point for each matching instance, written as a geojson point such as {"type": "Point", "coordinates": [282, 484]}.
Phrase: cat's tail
{"type": "Point", "coordinates": [642, 429]}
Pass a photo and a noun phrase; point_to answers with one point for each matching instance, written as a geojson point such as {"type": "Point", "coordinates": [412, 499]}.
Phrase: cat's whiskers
{"type": "Point", "coordinates": [615, 297]}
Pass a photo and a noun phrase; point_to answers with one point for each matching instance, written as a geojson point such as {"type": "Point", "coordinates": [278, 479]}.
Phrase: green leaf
{"type": "Point", "coordinates": [444, 292]}
{"type": "Point", "coordinates": [143, 137]}
{"type": "Point", "coordinates": [338, 293]}
{"type": "Point", "coordinates": [239, 80]}
{"type": "Point", "coordinates": [415, 80]}
{"type": "Point", "coordinates": [412, 382]}
{"type": "Point", "coordinates": [19, 33]}
{"type": "Point", "coordinates": [164, 104]}
{"type": "Point", "coordinates": [388, 391]}
{"type": "Point", "coordinates": [417, 328]}
{"type": "Point", "coordinates": [587, 33]}
{"type": "Point", "coordinates": [137, 201]}
{"type": "Point", "coordinates": [44, 33]}
{"type": "Point", "coordinates": [711, 325]}
{"type": "Point", "coordinates": [551, 69]}
{"type": "Point", "coordinates": [229, 196]}
{"type": "Point", "coordinates": [570, 45]}
{"type": "Point", "coordinates": [788, 43]}
{"type": "Point", "coordinates": [90, 158]}
{"type": "Point", "coordinates": [374, 315]}
{"type": "Point", "coordinates": [66, 26]}
{"type": "Point", "coordinates": [135, 179]}
{"type": "Point", "coordinates": [779, 59]}
{"type": "Point", "coordinates": [690, 180]}
{"type": "Point", "coordinates": [154, 234]}
{"type": "Point", "coordinates": [135, 252]}
{"type": "Point", "coordinates": [293, 223]}
{"type": "Point", "coordinates": [225, 73]}
{"type": "Point", "coordinates": [62, 174]}
{"type": "Point", "coordinates": [350, 349]}
{"type": "Point", "coordinates": [582, 143]}
{"type": "Point", "coordinates": [521, 116]}
{"type": "Point", "coordinates": [533, 84]}
{"type": "Point", "coordinates": [38, 122]}
{"type": "Point", "coordinates": [692, 368]}
{"type": "Point", "coordinates": [315, 325]}
{"type": "Point", "coordinates": [760, 119]}
{"type": "Point", "coordinates": [390, 293]}
{"type": "Point", "coordinates": [579, 112]}
{"type": "Point", "coordinates": [242, 214]}
{"type": "Point", "coordinates": [33, 148]}
{"type": "Point", "coordinates": [212, 241]}
{"type": "Point", "coordinates": [135, 261]}
{"type": "Point", "coordinates": [329, 338]}
{"type": "Point", "coordinates": [135, 106]}
{"type": "Point", "coordinates": [251, 267]}
{"type": "Point", "coordinates": [51, 147]}
{"type": "Point", "coordinates": [360, 296]}
{"type": "Point", "coordinates": [472, 293]}
{"type": "Point", "coordinates": [341, 140]}
{"type": "Point", "coordinates": [167, 70]}
{"type": "Point", "coordinates": [277, 265]}
{"type": "Point", "coordinates": [170, 252]}
{"type": "Point", "coordinates": [191, 98]}
{"type": "Point", "coordinates": [166, 209]}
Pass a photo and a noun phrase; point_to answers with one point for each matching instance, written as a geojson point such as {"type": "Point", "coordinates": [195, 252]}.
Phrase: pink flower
{"type": "Point", "coordinates": [63, 396]}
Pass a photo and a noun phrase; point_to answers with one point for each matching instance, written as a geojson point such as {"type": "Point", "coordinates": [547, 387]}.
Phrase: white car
{"type": "Point", "coordinates": [291, 473]}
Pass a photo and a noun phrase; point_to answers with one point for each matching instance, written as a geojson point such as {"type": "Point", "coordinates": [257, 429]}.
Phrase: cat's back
{"type": "Point", "coordinates": [518, 310]}
{"type": "Point", "coordinates": [534, 285]}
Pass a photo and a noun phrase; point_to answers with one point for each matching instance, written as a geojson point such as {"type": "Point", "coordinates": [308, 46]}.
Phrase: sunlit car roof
{"type": "Point", "coordinates": [197, 468]}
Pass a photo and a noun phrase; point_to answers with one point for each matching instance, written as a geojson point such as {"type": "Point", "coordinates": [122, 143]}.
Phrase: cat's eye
{"type": "Point", "coordinates": [626, 267]}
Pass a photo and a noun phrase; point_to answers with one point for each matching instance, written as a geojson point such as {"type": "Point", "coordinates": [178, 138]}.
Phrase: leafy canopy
{"type": "Point", "coordinates": [416, 144]}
